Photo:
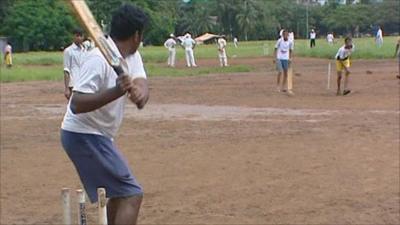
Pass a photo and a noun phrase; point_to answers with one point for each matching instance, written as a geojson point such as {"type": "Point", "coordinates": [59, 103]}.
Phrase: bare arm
{"type": "Point", "coordinates": [83, 103]}
{"type": "Point", "coordinates": [67, 91]}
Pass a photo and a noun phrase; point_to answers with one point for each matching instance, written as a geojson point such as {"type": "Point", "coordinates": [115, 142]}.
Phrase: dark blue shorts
{"type": "Point", "coordinates": [99, 164]}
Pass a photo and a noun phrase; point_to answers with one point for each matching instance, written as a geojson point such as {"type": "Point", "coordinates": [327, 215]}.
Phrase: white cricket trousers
{"type": "Point", "coordinates": [171, 57]}
{"type": "Point", "coordinates": [223, 60]}
{"type": "Point", "coordinates": [190, 57]}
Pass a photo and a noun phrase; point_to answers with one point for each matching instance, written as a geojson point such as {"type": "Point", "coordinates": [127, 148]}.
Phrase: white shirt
{"type": "Point", "coordinates": [188, 43]}
{"type": "Point", "coordinates": [344, 53]}
{"type": "Point", "coordinates": [313, 35]}
{"type": "Point", "coordinates": [97, 75]}
{"type": "Point", "coordinates": [8, 48]}
{"type": "Point", "coordinates": [282, 48]}
{"type": "Point", "coordinates": [379, 34]}
{"type": "Point", "coordinates": [281, 32]}
{"type": "Point", "coordinates": [235, 40]}
{"type": "Point", "coordinates": [170, 44]}
{"type": "Point", "coordinates": [330, 38]}
{"type": "Point", "coordinates": [72, 62]}
{"type": "Point", "coordinates": [221, 43]}
{"type": "Point", "coordinates": [291, 36]}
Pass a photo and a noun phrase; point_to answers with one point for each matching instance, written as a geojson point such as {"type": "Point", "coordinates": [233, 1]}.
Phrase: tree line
{"type": "Point", "coordinates": [47, 24]}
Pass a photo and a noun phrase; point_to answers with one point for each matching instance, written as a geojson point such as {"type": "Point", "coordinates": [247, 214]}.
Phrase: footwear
{"type": "Point", "coordinates": [346, 92]}
{"type": "Point", "coordinates": [290, 92]}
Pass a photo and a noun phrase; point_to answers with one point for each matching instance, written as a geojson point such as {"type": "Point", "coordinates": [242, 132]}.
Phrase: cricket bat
{"type": "Point", "coordinates": [105, 44]}
{"type": "Point", "coordinates": [290, 77]}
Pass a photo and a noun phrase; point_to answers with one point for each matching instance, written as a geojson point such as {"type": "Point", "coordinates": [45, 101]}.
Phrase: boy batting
{"type": "Point", "coordinates": [95, 112]}
{"type": "Point", "coordinates": [283, 54]}
{"type": "Point", "coordinates": [343, 63]}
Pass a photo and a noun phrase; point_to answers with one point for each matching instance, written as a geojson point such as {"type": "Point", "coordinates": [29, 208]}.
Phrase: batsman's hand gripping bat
{"type": "Point", "coordinates": [105, 44]}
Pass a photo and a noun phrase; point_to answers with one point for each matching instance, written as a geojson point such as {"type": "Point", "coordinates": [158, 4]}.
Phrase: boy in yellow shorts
{"type": "Point", "coordinates": [343, 63]}
{"type": "Point", "coordinates": [8, 55]}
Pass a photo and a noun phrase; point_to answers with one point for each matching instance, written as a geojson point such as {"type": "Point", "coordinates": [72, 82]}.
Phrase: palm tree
{"type": "Point", "coordinates": [246, 17]}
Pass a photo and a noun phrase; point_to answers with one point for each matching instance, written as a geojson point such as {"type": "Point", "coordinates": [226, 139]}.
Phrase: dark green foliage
{"type": "Point", "coordinates": [46, 24]}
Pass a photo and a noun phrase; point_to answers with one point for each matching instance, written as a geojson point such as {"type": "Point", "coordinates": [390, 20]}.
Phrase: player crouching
{"type": "Point", "coordinates": [343, 63]}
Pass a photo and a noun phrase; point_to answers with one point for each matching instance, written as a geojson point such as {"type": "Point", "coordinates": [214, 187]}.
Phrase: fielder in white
{"type": "Point", "coordinates": [189, 44]}
{"type": "Point", "coordinates": [379, 37]}
{"type": "Point", "coordinates": [170, 45]}
{"type": "Point", "coordinates": [235, 42]}
{"type": "Point", "coordinates": [330, 38]}
{"type": "Point", "coordinates": [223, 59]}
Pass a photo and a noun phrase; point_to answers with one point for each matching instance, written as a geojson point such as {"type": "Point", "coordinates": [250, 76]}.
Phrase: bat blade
{"type": "Point", "coordinates": [104, 43]}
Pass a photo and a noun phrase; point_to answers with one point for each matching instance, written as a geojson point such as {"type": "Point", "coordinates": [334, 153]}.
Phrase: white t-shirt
{"type": "Point", "coordinates": [97, 75]}
{"type": "Point", "coordinates": [330, 38]}
{"type": "Point", "coordinates": [221, 43]}
{"type": "Point", "coordinates": [72, 62]}
{"type": "Point", "coordinates": [170, 44]}
{"type": "Point", "coordinates": [379, 34]}
{"type": "Point", "coordinates": [188, 43]}
{"type": "Point", "coordinates": [291, 37]}
{"type": "Point", "coordinates": [8, 49]}
{"type": "Point", "coordinates": [344, 53]}
{"type": "Point", "coordinates": [283, 47]}
{"type": "Point", "coordinates": [313, 35]}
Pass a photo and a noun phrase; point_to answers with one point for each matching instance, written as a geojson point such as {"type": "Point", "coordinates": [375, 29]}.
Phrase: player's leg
{"type": "Point", "coordinates": [124, 210]}
{"type": "Point", "coordinates": [346, 89]}
{"type": "Point", "coordinates": [187, 55]}
{"type": "Point", "coordinates": [169, 58]}
{"type": "Point", "coordinates": [221, 60]}
{"type": "Point", "coordinates": [192, 61]}
{"type": "Point", "coordinates": [173, 58]}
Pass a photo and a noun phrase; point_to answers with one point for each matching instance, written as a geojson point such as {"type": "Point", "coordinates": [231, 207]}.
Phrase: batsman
{"type": "Point", "coordinates": [95, 112]}
{"type": "Point", "coordinates": [283, 55]}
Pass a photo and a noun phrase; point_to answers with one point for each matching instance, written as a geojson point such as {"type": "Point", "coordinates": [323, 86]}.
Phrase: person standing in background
{"type": "Point", "coordinates": [235, 42]}
{"type": "Point", "coordinates": [313, 35]}
{"type": "Point", "coordinates": [330, 38]}
{"type": "Point", "coordinates": [170, 44]}
{"type": "Point", "coordinates": [223, 60]}
{"type": "Point", "coordinates": [72, 61]}
{"type": "Point", "coordinates": [189, 44]}
{"type": "Point", "coordinates": [8, 55]}
{"type": "Point", "coordinates": [379, 38]}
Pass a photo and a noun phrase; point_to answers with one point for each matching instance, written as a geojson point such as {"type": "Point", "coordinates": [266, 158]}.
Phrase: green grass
{"type": "Point", "coordinates": [48, 65]}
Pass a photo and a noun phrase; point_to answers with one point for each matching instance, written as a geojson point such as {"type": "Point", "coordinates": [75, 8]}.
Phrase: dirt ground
{"type": "Point", "coordinates": [224, 149]}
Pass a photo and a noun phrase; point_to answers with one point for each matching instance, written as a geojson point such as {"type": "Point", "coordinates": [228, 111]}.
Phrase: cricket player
{"type": "Point", "coordinates": [235, 42]}
{"type": "Point", "coordinates": [8, 55]}
{"type": "Point", "coordinates": [291, 37]}
{"type": "Point", "coordinates": [397, 53]}
{"type": "Point", "coordinates": [189, 44]}
{"type": "Point", "coordinates": [283, 55]}
{"type": "Point", "coordinates": [72, 61]}
{"type": "Point", "coordinates": [95, 112]}
{"type": "Point", "coordinates": [343, 63]}
{"type": "Point", "coordinates": [170, 44]}
{"type": "Point", "coordinates": [379, 38]}
{"type": "Point", "coordinates": [330, 38]}
{"type": "Point", "coordinates": [223, 59]}
{"type": "Point", "coordinates": [313, 36]}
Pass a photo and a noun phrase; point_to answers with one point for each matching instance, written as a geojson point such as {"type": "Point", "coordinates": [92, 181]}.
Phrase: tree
{"type": "Point", "coordinates": [246, 17]}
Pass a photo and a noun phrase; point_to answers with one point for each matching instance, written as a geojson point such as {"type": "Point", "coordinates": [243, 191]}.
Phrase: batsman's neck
{"type": "Point", "coordinates": [126, 47]}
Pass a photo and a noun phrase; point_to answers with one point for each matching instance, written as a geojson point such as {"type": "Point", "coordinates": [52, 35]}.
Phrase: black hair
{"type": "Point", "coordinates": [78, 31]}
{"type": "Point", "coordinates": [126, 21]}
{"type": "Point", "coordinates": [347, 39]}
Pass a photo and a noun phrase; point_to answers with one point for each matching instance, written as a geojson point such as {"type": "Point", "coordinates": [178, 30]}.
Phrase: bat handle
{"type": "Point", "coordinates": [118, 69]}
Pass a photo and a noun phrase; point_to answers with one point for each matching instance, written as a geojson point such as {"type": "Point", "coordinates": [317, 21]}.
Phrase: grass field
{"type": "Point", "coordinates": [48, 65]}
